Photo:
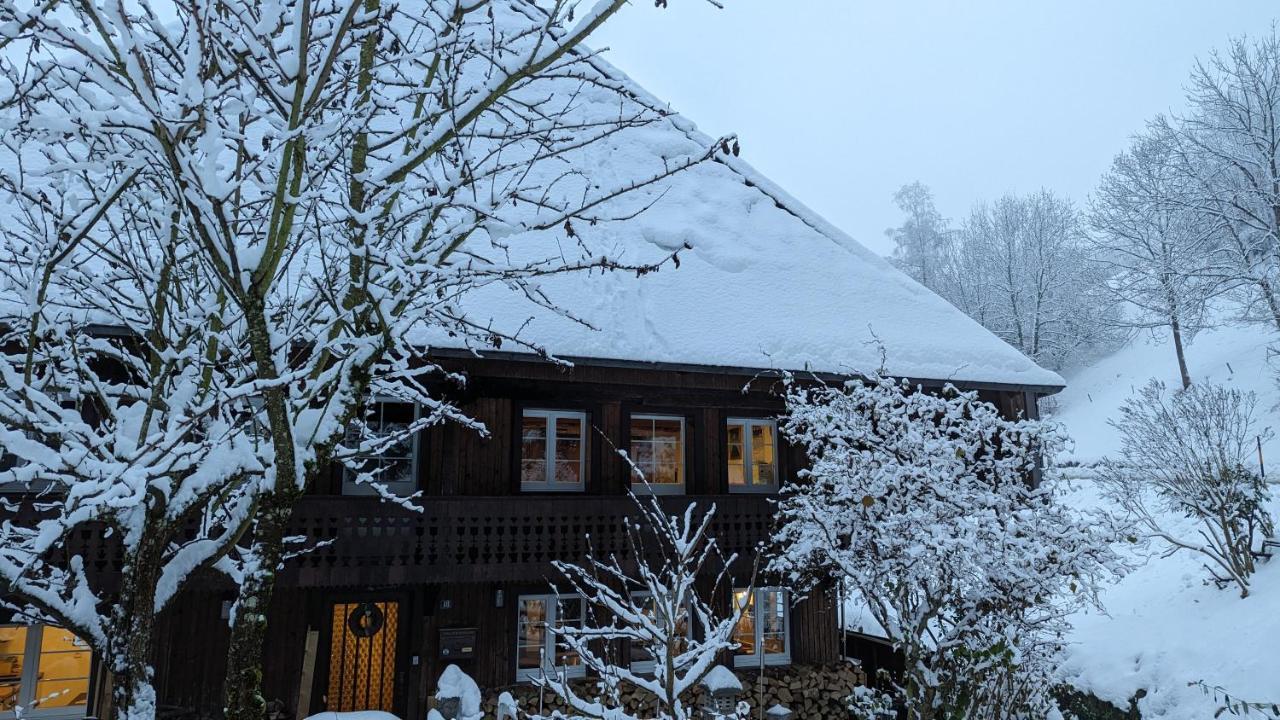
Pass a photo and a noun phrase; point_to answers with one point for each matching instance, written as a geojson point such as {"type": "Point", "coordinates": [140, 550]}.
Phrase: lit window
{"type": "Point", "coordinates": [44, 670]}
{"type": "Point", "coordinates": [657, 449]}
{"type": "Point", "coordinates": [553, 450]}
{"type": "Point", "coordinates": [395, 465]}
{"type": "Point", "coordinates": [751, 455]}
{"type": "Point", "coordinates": [537, 648]}
{"type": "Point", "coordinates": [642, 660]}
{"type": "Point", "coordinates": [763, 632]}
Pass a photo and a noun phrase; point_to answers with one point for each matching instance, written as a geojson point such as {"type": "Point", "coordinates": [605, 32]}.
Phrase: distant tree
{"type": "Point", "coordinates": [1227, 145]}
{"type": "Point", "coordinates": [1021, 268]}
{"type": "Point", "coordinates": [921, 242]}
{"type": "Point", "coordinates": [1187, 453]}
{"type": "Point", "coordinates": [1162, 255]}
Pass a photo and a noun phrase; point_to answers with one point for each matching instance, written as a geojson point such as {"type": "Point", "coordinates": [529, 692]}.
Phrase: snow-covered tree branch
{"type": "Point", "coordinates": [658, 599]}
{"type": "Point", "coordinates": [263, 214]}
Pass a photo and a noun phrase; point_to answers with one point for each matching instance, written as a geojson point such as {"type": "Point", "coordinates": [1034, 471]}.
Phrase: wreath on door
{"type": "Point", "coordinates": [365, 620]}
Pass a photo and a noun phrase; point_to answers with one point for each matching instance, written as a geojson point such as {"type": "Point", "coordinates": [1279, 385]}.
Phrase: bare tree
{"type": "Point", "coordinates": [922, 242]}
{"type": "Point", "coordinates": [650, 600]}
{"type": "Point", "coordinates": [1187, 454]}
{"type": "Point", "coordinates": [1162, 256]}
{"type": "Point", "coordinates": [1022, 270]}
{"type": "Point", "coordinates": [331, 180]}
{"type": "Point", "coordinates": [1228, 147]}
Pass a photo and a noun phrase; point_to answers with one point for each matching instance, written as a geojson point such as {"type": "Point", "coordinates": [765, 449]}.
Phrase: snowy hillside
{"type": "Point", "coordinates": [1234, 355]}
{"type": "Point", "coordinates": [1164, 627]}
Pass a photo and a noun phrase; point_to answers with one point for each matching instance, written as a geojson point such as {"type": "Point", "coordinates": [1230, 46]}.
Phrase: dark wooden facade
{"type": "Point", "coordinates": [480, 542]}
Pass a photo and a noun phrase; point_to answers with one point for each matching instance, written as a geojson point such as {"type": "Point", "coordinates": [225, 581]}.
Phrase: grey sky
{"type": "Point", "coordinates": [843, 101]}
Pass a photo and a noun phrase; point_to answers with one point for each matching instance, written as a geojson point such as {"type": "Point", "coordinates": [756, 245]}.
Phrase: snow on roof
{"type": "Point", "coordinates": [768, 284]}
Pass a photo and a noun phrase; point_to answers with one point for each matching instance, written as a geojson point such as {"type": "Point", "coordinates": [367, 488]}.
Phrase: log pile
{"type": "Point", "coordinates": [812, 692]}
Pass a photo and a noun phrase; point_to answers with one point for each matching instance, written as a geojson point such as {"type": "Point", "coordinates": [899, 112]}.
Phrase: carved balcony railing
{"type": "Point", "coordinates": [359, 541]}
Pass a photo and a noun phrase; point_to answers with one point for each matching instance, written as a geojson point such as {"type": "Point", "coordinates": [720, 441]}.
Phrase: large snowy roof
{"type": "Point", "coordinates": [767, 284]}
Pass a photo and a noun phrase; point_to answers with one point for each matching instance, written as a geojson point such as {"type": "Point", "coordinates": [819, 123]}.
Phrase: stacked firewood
{"type": "Point", "coordinates": [812, 692]}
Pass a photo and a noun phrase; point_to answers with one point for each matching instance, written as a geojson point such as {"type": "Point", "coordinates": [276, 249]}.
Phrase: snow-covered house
{"type": "Point", "coordinates": [676, 367]}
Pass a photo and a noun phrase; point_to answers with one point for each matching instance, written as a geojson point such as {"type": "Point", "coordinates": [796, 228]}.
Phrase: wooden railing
{"type": "Point", "coordinates": [358, 541]}
{"type": "Point", "coordinates": [362, 542]}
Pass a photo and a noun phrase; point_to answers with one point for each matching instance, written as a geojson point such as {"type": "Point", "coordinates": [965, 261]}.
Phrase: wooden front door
{"type": "Point", "coordinates": [362, 655]}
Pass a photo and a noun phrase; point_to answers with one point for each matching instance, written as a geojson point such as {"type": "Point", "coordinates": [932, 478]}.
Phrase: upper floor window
{"type": "Point", "coordinates": [394, 463]}
{"type": "Point", "coordinates": [537, 648]}
{"type": "Point", "coordinates": [657, 450]}
{"type": "Point", "coordinates": [553, 450]}
{"type": "Point", "coordinates": [751, 454]}
{"type": "Point", "coordinates": [44, 670]}
{"type": "Point", "coordinates": [763, 633]}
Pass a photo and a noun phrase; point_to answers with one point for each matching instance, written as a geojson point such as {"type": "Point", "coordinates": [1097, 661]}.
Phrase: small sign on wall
{"type": "Point", "coordinates": [458, 643]}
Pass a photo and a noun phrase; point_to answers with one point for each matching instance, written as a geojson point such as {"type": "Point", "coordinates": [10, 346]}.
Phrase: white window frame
{"type": "Point", "coordinates": [548, 668]}
{"type": "Point", "coordinates": [549, 483]}
{"type": "Point", "coordinates": [350, 488]}
{"type": "Point", "coordinates": [770, 659]}
{"type": "Point", "coordinates": [748, 467]}
{"type": "Point", "coordinates": [659, 488]}
{"type": "Point", "coordinates": [30, 677]}
{"type": "Point", "coordinates": [645, 667]}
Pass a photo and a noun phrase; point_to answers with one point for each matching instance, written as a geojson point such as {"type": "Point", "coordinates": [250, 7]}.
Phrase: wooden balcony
{"type": "Point", "coordinates": [471, 539]}
{"type": "Point", "coordinates": [360, 541]}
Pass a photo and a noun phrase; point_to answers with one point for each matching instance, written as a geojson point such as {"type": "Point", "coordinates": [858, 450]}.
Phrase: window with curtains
{"type": "Point", "coordinates": [553, 450]}
{"type": "Point", "coordinates": [657, 452]}
{"type": "Point", "coordinates": [394, 463]}
{"type": "Point", "coordinates": [44, 670]}
{"type": "Point", "coordinates": [763, 633]}
{"type": "Point", "coordinates": [538, 650]}
{"type": "Point", "coordinates": [751, 454]}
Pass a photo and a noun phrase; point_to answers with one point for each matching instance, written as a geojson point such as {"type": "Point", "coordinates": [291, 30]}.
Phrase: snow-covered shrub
{"type": "Point", "coordinates": [1188, 453]}
{"type": "Point", "coordinates": [650, 599]}
{"type": "Point", "coordinates": [923, 504]}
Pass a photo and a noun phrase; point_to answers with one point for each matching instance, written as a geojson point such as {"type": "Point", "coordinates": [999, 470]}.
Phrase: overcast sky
{"type": "Point", "coordinates": [843, 101]}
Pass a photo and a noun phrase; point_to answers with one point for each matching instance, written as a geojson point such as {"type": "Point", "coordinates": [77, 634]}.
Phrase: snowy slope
{"type": "Point", "coordinates": [1234, 355]}
{"type": "Point", "coordinates": [1164, 627]}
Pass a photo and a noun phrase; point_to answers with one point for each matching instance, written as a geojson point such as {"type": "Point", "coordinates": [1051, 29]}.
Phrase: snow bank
{"type": "Point", "coordinates": [1165, 628]}
{"type": "Point", "coordinates": [356, 715]}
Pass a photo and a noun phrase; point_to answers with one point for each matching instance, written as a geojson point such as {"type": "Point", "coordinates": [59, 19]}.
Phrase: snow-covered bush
{"type": "Point", "coordinates": [924, 505]}
{"type": "Point", "coordinates": [650, 599]}
{"type": "Point", "coordinates": [1188, 453]}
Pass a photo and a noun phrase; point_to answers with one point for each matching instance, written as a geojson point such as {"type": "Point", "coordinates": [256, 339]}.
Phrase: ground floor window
{"type": "Point", "coordinates": [44, 670]}
{"type": "Point", "coordinates": [537, 650]}
{"type": "Point", "coordinates": [642, 659]}
{"type": "Point", "coordinates": [763, 633]}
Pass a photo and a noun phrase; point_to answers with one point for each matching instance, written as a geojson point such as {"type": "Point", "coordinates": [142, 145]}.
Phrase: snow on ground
{"type": "Point", "coordinates": [1234, 355]}
{"type": "Point", "coordinates": [1164, 627]}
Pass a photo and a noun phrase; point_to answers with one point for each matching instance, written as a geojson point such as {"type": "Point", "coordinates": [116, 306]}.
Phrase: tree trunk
{"type": "Point", "coordinates": [1176, 327]}
{"type": "Point", "coordinates": [244, 699]}
{"type": "Point", "coordinates": [243, 695]}
{"type": "Point", "coordinates": [132, 694]}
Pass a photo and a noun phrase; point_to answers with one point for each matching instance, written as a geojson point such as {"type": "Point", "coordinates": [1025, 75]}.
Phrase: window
{"type": "Point", "coordinates": [657, 449]}
{"type": "Point", "coordinates": [553, 450]}
{"type": "Point", "coordinates": [763, 632]}
{"type": "Point", "coordinates": [396, 465]}
{"type": "Point", "coordinates": [43, 669]}
{"type": "Point", "coordinates": [752, 456]}
{"type": "Point", "coordinates": [641, 659]}
{"type": "Point", "coordinates": [537, 649]}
